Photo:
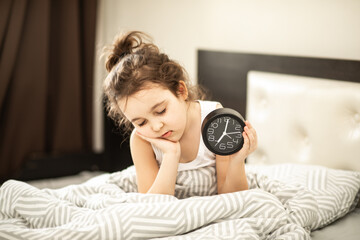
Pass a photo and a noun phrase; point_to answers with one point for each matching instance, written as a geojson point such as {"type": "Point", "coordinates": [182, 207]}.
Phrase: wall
{"type": "Point", "coordinates": [312, 28]}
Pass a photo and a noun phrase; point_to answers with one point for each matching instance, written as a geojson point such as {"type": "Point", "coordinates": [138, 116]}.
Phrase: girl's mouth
{"type": "Point", "coordinates": [167, 134]}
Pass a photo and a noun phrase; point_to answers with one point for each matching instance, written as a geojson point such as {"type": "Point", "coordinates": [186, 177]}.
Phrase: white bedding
{"type": "Point", "coordinates": [284, 202]}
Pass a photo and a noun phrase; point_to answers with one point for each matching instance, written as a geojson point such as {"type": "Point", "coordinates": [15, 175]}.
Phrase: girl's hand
{"type": "Point", "coordinates": [250, 143]}
{"type": "Point", "coordinates": [167, 147]}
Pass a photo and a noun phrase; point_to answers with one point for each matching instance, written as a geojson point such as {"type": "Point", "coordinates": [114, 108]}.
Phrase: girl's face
{"type": "Point", "coordinates": [156, 112]}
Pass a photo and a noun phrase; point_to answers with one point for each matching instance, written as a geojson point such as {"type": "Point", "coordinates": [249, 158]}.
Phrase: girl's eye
{"type": "Point", "coordinates": [162, 112]}
{"type": "Point", "coordinates": [142, 123]}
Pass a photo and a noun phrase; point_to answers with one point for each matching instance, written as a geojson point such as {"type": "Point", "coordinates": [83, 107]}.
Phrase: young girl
{"type": "Point", "coordinates": [150, 93]}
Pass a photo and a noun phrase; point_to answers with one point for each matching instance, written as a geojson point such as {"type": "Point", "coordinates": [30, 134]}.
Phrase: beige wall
{"type": "Point", "coordinates": [312, 28]}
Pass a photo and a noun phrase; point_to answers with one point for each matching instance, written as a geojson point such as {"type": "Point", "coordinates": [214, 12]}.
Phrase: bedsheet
{"type": "Point", "coordinates": [111, 208]}
{"type": "Point", "coordinates": [344, 228]}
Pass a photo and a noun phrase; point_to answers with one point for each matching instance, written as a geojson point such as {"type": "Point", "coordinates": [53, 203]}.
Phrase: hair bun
{"type": "Point", "coordinates": [124, 45]}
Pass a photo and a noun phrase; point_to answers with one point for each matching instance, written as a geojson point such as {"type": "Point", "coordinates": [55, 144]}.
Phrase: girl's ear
{"type": "Point", "coordinates": [182, 90]}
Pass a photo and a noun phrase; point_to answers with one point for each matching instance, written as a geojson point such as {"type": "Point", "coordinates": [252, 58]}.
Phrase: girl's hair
{"type": "Point", "coordinates": [132, 63]}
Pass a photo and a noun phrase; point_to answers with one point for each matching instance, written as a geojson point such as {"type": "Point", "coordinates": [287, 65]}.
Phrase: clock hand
{"type": "Point", "coordinates": [227, 122]}
{"type": "Point", "coordinates": [233, 132]}
{"type": "Point", "coordinates": [228, 136]}
{"type": "Point", "coordinates": [223, 134]}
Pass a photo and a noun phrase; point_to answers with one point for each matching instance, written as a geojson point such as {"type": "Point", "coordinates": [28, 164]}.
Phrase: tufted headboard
{"type": "Point", "coordinates": [305, 110]}
{"type": "Point", "coordinates": [304, 120]}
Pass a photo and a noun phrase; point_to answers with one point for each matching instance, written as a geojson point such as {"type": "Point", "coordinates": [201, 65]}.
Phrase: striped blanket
{"type": "Point", "coordinates": [284, 202]}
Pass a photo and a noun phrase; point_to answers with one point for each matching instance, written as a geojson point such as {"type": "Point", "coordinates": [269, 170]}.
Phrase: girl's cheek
{"type": "Point", "coordinates": [139, 131]}
{"type": "Point", "coordinates": [143, 131]}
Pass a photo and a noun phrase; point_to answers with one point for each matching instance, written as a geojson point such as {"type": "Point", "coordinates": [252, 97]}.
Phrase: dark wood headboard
{"type": "Point", "coordinates": [224, 74]}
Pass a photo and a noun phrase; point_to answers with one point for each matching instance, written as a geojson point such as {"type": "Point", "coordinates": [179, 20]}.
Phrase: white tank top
{"type": "Point", "coordinates": [204, 156]}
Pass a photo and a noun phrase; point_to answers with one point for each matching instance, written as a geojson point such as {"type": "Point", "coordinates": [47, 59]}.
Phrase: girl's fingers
{"type": "Point", "coordinates": [150, 140]}
{"type": "Point", "coordinates": [251, 133]}
{"type": "Point", "coordinates": [251, 128]}
{"type": "Point", "coordinates": [250, 142]}
{"type": "Point", "coordinates": [246, 141]}
{"type": "Point", "coordinates": [166, 146]}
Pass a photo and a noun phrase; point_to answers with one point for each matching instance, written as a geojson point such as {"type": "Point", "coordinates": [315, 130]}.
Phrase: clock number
{"type": "Point", "coordinates": [214, 125]}
{"type": "Point", "coordinates": [230, 144]}
{"type": "Point", "coordinates": [222, 146]}
{"type": "Point", "coordinates": [238, 135]}
{"type": "Point", "coordinates": [211, 138]}
{"type": "Point", "coordinates": [210, 131]}
{"type": "Point", "coordinates": [235, 140]}
{"type": "Point", "coordinates": [238, 127]}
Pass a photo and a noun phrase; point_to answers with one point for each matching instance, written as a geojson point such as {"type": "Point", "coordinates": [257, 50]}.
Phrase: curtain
{"type": "Point", "coordinates": [46, 79]}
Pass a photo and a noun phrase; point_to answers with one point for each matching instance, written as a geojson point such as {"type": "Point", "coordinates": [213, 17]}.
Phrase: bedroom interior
{"type": "Point", "coordinates": [301, 93]}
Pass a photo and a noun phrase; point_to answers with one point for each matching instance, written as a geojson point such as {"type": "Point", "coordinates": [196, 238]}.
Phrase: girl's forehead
{"type": "Point", "coordinates": [149, 92]}
{"type": "Point", "coordinates": [144, 99]}
{"type": "Point", "coordinates": [150, 95]}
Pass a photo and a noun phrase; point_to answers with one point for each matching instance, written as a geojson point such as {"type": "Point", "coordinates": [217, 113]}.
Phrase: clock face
{"type": "Point", "coordinates": [222, 133]}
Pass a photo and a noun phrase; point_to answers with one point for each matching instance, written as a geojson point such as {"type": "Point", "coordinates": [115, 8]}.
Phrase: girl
{"type": "Point", "coordinates": [151, 93]}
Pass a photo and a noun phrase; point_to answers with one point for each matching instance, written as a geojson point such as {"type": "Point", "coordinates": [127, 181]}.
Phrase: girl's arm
{"type": "Point", "coordinates": [230, 170]}
{"type": "Point", "coordinates": [151, 178]}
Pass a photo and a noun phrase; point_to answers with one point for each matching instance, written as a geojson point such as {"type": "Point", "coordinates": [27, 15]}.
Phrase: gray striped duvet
{"type": "Point", "coordinates": [284, 202]}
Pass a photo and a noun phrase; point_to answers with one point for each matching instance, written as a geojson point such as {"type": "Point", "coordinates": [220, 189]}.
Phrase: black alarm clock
{"type": "Point", "coordinates": [222, 131]}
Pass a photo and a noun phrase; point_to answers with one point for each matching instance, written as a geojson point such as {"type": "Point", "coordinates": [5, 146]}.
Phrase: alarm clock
{"type": "Point", "coordinates": [222, 131]}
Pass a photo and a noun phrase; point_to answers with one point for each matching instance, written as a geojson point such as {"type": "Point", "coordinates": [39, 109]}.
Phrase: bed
{"type": "Point", "coordinates": [304, 177]}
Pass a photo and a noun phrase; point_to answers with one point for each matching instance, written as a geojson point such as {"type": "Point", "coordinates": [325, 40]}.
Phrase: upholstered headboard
{"type": "Point", "coordinates": [304, 120]}
{"type": "Point", "coordinates": [305, 110]}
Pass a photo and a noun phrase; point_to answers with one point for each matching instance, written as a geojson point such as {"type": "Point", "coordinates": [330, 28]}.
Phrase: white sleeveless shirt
{"type": "Point", "coordinates": [204, 157]}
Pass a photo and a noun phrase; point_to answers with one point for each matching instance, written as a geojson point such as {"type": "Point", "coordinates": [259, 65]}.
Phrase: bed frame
{"type": "Point", "coordinates": [225, 73]}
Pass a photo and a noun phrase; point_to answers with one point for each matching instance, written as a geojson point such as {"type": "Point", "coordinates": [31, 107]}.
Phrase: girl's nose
{"type": "Point", "coordinates": [156, 126]}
